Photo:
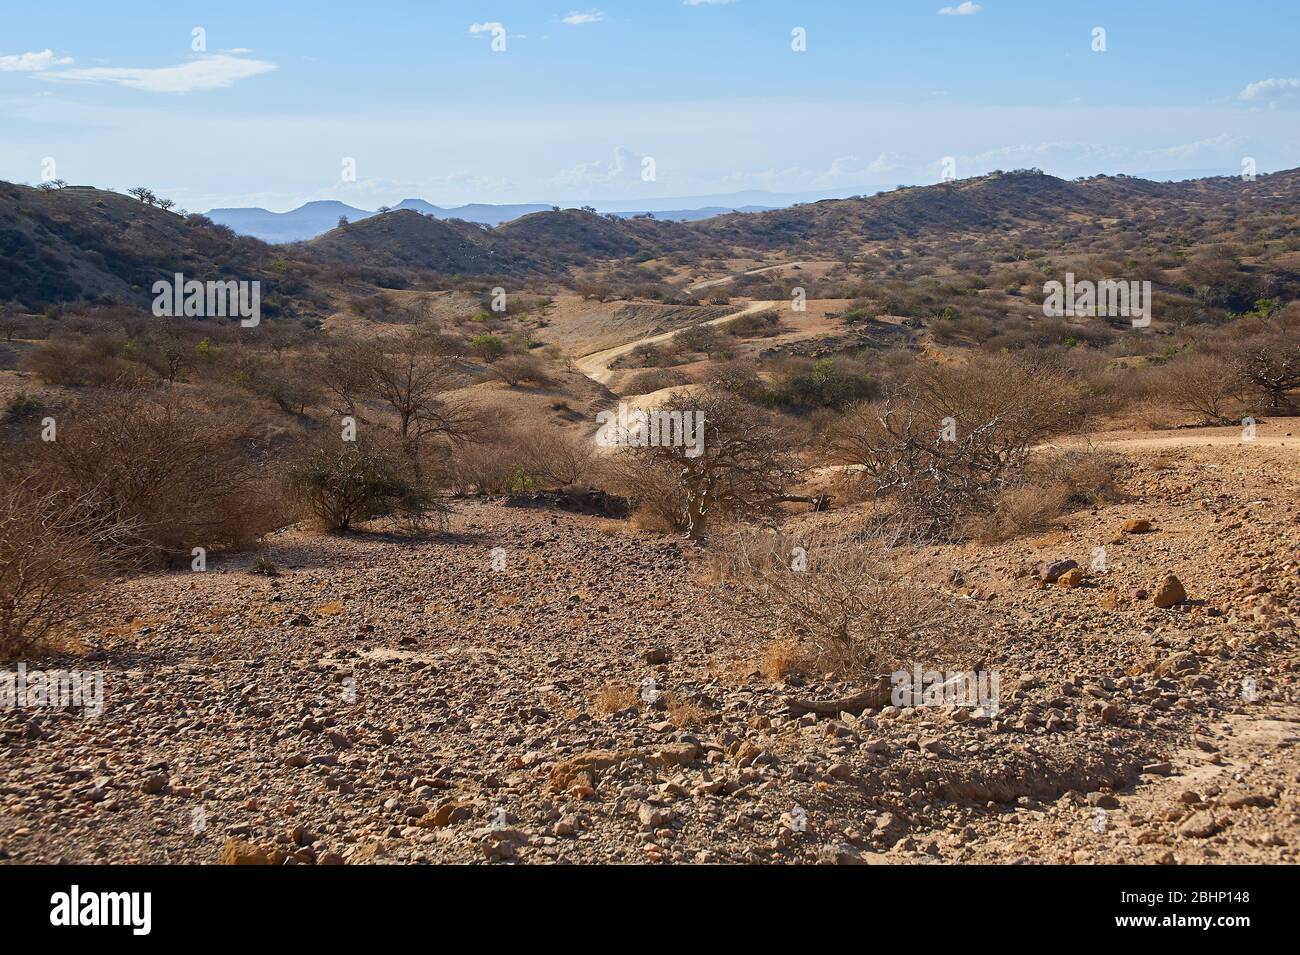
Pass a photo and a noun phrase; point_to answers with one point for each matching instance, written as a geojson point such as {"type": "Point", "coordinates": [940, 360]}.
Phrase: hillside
{"type": "Point", "coordinates": [989, 203]}
{"type": "Point", "coordinates": [77, 243]}
{"type": "Point", "coordinates": [404, 239]}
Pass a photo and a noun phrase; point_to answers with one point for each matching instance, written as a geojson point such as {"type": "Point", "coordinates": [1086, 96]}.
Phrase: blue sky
{"type": "Point", "coordinates": [279, 95]}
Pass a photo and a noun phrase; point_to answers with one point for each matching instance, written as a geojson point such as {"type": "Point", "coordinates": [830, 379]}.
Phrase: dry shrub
{"type": "Point", "coordinates": [741, 468]}
{"type": "Point", "coordinates": [1091, 476]}
{"type": "Point", "coordinates": [178, 476]}
{"type": "Point", "coordinates": [1019, 510]}
{"type": "Point", "coordinates": [1205, 387]}
{"type": "Point", "coordinates": [556, 458]}
{"type": "Point", "coordinates": [683, 712]}
{"type": "Point", "coordinates": [51, 561]}
{"type": "Point", "coordinates": [487, 466]}
{"type": "Point", "coordinates": [96, 362]}
{"type": "Point", "coordinates": [654, 379]}
{"type": "Point", "coordinates": [514, 370]}
{"type": "Point", "coordinates": [855, 605]}
{"type": "Point", "coordinates": [1055, 483]}
{"type": "Point", "coordinates": [505, 459]}
{"type": "Point", "coordinates": [346, 484]}
{"type": "Point", "coordinates": [655, 490]}
{"type": "Point", "coordinates": [946, 444]}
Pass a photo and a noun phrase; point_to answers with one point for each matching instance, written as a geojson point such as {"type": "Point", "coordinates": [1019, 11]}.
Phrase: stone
{"type": "Point", "coordinates": [1050, 571]}
{"type": "Point", "coordinates": [1136, 525]}
{"type": "Point", "coordinates": [239, 852]}
{"type": "Point", "coordinates": [1070, 579]}
{"type": "Point", "coordinates": [1182, 663]}
{"type": "Point", "coordinates": [583, 769]}
{"type": "Point", "coordinates": [652, 817]}
{"type": "Point", "coordinates": [1170, 592]}
{"type": "Point", "coordinates": [1199, 825]}
{"type": "Point", "coordinates": [674, 754]}
{"type": "Point", "coordinates": [840, 853]}
{"type": "Point", "coordinates": [450, 812]}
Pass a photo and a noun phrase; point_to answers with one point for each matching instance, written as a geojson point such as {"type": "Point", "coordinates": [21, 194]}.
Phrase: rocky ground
{"type": "Point", "coordinates": [539, 686]}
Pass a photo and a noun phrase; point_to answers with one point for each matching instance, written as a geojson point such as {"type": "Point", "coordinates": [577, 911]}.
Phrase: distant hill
{"type": "Point", "coordinates": [316, 218]}
{"type": "Point", "coordinates": [404, 239]}
{"type": "Point", "coordinates": [480, 212]}
{"type": "Point", "coordinates": [691, 215]}
{"type": "Point", "coordinates": [305, 222]}
{"type": "Point", "coordinates": [83, 243]}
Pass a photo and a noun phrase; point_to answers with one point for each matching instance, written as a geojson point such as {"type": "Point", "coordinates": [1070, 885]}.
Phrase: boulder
{"type": "Point", "coordinates": [1050, 571]}
{"type": "Point", "coordinates": [1170, 592]}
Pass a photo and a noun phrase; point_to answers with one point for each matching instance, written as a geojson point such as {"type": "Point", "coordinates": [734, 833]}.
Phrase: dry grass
{"type": "Point", "coordinates": [612, 698]}
{"type": "Point", "coordinates": [1018, 511]}
{"type": "Point", "coordinates": [783, 658]}
{"type": "Point", "coordinates": [684, 713]}
{"type": "Point", "coordinates": [1055, 483]}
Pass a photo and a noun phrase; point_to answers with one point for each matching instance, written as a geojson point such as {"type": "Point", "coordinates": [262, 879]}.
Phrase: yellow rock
{"type": "Point", "coordinates": [1070, 579]}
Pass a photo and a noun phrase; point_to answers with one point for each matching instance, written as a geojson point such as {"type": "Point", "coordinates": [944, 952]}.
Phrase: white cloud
{"type": "Point", "coordinates": [205, 73]}
{"type": "Point", "coordinates": [31, 62]}
{"type": "Point", "coordinates": [577, 19]}
{"type": "Point", "coordinates": [705, 3]}
{"type": "Point", "coordinates": [624, 168]}
{"type": "Point", "coordinates": [1265, 89]}
{"type": "Point", "coordinates": [492, 26]}
{"type": "Point", "coordinates": [965, 9]}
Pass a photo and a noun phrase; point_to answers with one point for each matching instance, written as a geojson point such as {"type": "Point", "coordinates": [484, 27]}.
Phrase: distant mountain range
{"type": "Point", "coordinates": [316, 218]}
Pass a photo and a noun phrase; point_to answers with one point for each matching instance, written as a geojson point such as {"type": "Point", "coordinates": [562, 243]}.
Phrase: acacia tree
{"type": "Point", "coordinates": [1203, 385]}
{"type": "Point", "coordinates": [412, 376]}
{"type": "Point", "coordinates": [745, 466]}
{"type": "Point", "coordinates": [1271, 363]}
{"type": "Point", "coordinates": [946, 442]}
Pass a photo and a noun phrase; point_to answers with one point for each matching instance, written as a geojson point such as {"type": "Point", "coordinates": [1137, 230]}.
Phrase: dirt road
{"type": "Point", "coordinates": [596, 366]}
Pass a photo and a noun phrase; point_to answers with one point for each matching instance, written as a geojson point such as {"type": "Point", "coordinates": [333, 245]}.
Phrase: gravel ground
{"type": "Point", "coordinates": [393, 700]}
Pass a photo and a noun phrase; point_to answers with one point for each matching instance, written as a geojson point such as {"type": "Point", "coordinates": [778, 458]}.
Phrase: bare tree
{"type": "Point", "coordinates": [1203, 385]}
{"type": "Point", "coordinates": [743, 466]}
{"type": "Point", "coordinates": [342, 372]}
{"type": "Point", "coordinates": [945, 443]}
{"type": "Point", "coordinates": [170, 353]}
{"type": "Point", "coordinates": [1271, 363]}
{"type": "Point", "coordinates": [412, 376]}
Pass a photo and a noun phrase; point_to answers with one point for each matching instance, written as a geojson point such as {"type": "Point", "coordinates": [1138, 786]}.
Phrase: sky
{"type": "Point", "coordinates": [272, 104]}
